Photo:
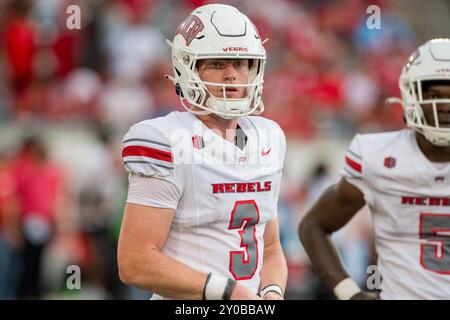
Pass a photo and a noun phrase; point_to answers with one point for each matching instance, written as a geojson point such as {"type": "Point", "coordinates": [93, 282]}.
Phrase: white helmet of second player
{"type": "Point", "coordinates": [431, 61]}
{"type": "Point", "coordinates": [217, 31]}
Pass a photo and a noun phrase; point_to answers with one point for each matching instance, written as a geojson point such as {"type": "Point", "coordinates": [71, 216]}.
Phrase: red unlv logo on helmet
{"type": "Point", "coordinates": [190, 28]}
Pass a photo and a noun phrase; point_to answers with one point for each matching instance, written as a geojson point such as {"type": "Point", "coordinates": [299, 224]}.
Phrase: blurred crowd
{"type": "Point", "coordinates": [69, 96]}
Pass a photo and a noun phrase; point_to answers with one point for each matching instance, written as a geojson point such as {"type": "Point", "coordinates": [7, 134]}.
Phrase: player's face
{"type": "Point", "coordinates": [227, 71]}
{"type": "Point", "coordinates": [437, 91]}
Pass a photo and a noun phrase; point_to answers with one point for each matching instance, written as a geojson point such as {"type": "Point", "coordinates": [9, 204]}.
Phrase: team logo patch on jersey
{"type": "Point", "coordinates": [389, 162]}
{"type": "Point", "coordinates": [197, 142]}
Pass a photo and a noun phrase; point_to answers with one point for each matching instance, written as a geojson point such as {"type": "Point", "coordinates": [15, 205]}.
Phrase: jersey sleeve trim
{"type": "Point", "coordinates": [354, 155]}
{"type": "Point", "coordinates": [351, 174]}
{"type": "Point", "coordinates": [148, 153]}
{"type": "Point", "coordinates": [353, 160]}
{"type": "Point", "coordinates": [151, 155]}
{"type": "Point", "coordinates": [353, 164]}
{"type": "Point", "coordinates": [127, 141]}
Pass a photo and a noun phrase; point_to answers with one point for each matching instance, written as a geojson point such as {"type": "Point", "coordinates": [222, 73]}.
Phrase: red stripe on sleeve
{"type": "Point", "coordinates": [354, 165]}
{"type": "Point", "coordinates": [147, 152]}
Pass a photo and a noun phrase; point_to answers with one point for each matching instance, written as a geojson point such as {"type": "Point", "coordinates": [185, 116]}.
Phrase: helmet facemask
{"type": "Point", "coordinates": [414, 103]}
{"type": "Point", "coordinates": [195, 95]}
{"type": "Point", "coordinates": [429, 65]}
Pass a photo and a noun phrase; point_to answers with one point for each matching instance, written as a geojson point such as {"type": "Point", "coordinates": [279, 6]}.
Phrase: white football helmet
{"type": "Point", "coordinates": [217, 31]}
{"type": "Point", "coordinates": [431, 61]}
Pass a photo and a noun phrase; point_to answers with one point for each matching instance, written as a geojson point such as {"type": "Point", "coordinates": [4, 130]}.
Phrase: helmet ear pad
{"type": "Point", "coordinates": [185, 87]}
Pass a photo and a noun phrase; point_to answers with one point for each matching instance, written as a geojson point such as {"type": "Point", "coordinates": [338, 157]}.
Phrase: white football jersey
{"type": "Point", "coordinates": [409, 198]}
{"type": "Point", "coordinates": [228, 194]}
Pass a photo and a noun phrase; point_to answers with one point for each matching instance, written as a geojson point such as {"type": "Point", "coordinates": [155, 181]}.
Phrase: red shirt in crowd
{"type": "Point", "coordinates": [38, 187]}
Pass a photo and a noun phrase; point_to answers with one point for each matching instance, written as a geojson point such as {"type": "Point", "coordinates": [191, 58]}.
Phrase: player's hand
{"type": "Point", "coordinates": [241, 292]}
{"type": "Point", "coordinates": [364, 295]}
{"type": "Point", "coordinates": [272, 296]}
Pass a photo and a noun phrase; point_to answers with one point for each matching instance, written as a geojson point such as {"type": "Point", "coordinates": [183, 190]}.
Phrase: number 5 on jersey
{"type": "Point", "coordinates": [435, 254]}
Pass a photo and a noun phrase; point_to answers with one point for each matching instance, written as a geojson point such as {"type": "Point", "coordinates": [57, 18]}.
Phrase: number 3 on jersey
{"type": "Point", "coordinates": [244, 218]}
{"type": "Point", "coordinates": [435, 255]}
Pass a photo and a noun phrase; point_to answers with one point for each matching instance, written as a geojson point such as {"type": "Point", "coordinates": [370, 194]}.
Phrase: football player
{"type": "Point", "coordinates": [200, 220]}
{"type": "Point", "coordinates": [404, 178]}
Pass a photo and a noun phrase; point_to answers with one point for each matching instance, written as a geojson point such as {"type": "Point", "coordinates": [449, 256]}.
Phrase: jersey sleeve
{"type": "Point", "coordinates": [152, 192]}
{"type": "Point", "coordinates": [147, 153]}
{"type": "Point", "coordinates": [354, 167]}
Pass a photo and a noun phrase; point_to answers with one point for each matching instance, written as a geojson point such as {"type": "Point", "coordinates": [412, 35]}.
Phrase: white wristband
{"type": "Point", "coordinates": [215, 287]}
{"type": "Point", "coordinates": [346, 289]}
{"type": "Point", "coordinates": [272, 287]}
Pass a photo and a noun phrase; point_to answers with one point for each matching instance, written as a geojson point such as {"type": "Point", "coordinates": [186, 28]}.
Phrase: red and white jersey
{"type": "Point", "coordinates": [409, 198]}
{"type": "Point", "coordinates": [227, 194]}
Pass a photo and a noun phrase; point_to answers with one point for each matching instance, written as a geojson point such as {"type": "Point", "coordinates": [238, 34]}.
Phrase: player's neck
{"type": "Point", "coordinates": [432, 152]}
{"type": "Point", "coordinates": [226, 128]}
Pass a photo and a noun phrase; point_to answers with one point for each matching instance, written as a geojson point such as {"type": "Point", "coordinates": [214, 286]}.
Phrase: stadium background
{"type": "Point", "coordinates": [67, 97]}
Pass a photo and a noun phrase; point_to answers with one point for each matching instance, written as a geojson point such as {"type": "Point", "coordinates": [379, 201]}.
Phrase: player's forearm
{"type": "Point", "coordinates": [274, 269]}
{"type": "Point", "coordinates": [162, 275]}
{"type": "Point", "coordinates": [322, 252]}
